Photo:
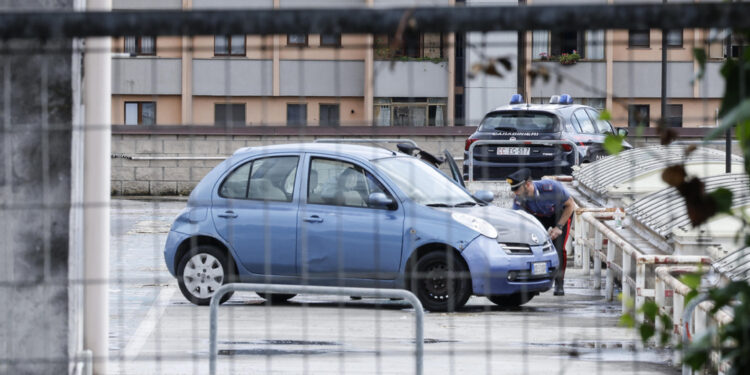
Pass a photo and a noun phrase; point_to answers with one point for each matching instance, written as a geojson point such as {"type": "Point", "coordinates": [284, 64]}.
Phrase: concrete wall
{"type": "Point", "coordinates": [410, 79]}
{"type": "Point", "coordinates": [590, 80]}
{"type": "Point", "coordinates": [35, 188]}
{"type": "Point", "coordinates": [641, 79]}
{"type": "Point", "coordinates": [321, 78]}
{"type": "Point", "coordinates": [146, 76]}
{"type": "Point", "coordinates": [222, 77]}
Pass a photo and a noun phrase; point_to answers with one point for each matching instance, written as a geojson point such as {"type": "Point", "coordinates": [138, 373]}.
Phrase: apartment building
{"type": "Point", "coordinates": [292, 80]}
{"type": "Point", "coordinates": [621, 70]}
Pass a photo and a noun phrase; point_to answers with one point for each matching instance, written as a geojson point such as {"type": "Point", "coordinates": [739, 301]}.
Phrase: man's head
{"type": "Point", "coordinates": [520, 182]}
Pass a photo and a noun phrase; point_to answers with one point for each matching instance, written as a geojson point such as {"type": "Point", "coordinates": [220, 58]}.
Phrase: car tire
{"type": "Point", "coordinates": [430, 281]}
{"type": "Point", "coordinates": [202, 271]}
{"type": "Point", "coordinates": [511, 300]}
{"type": "Point", "coordinates": [275, 298]}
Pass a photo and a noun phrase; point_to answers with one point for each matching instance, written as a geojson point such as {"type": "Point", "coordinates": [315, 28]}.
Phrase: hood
{"type": "Point", "coordinates": [512, 226]}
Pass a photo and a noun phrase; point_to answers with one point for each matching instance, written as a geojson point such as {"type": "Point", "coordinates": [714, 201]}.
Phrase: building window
{"type": "Point", "coordinates": [674, 115]}
{"type": "Point", "coordinates": [638, 115]}
{"type": "Point", "coordinates": [588, 44]}
{"type": "Point", "coordinates": [410, 111]}
{"type": "Point", "coordinates": [299, 40]}
{"type": "Point", "coordinates": [140, 45]}
{"type": "Point", "coordinates": [639, 38]}
{"type": "Point", "coordinates": [413, 45]}
{"type": "Point", "coordinates": [330, 40]}
{"type": "Point", "coordinates": [140, 113]}
{"type": "Point", "coordinates": [329, 115]}
{"type": "Point", "coordinates": [296, 114]}
{"type": "Point", "coordinates": [225, 45]}
{"type": "Point", "coordinates": [229, 114]}
{"type": "Point", "coordinates": [674, 38]}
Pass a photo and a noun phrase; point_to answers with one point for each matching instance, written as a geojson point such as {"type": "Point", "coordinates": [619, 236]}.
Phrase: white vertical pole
{"type": "Point", "coordinates": [96, 186]}
{"type": "Point", "coordinates": [610, 286]}
{"type": "Point", "coordinates": [597, 260]}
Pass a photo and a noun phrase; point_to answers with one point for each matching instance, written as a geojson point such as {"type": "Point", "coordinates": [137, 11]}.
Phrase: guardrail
{"type": "Point", "coordinates": [518, 142]}
{"type": "Point", "coordinates": [366, 140]}
{"type": "Point", "coordinates": [306, 289]}
{"type": "Point", "coordinates": [688, 320]}
{"type": "Point", "coordinates": [590, 223]}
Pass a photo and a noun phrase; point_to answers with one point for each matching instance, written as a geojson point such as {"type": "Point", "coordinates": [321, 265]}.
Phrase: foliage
{"type": "Point", "coordinates": [569, 58]}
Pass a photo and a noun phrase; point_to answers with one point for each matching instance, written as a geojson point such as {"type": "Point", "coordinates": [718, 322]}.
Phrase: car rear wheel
{"type": "Point", "coordinates": [275, 298]}
{"type": "Point", "coordinates": [201, 272]}
{"type": "Point", "coordinates": [441, 281]}
{"type": "Point", "coordinates": [512, 300]}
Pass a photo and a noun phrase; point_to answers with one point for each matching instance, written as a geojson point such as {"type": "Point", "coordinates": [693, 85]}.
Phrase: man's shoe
{"type": "Point", "coordinates": [559, 291]}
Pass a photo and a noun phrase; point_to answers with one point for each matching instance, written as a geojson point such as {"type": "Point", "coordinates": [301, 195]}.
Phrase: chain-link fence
{"type": "Point", "coordinates": [356, 172]}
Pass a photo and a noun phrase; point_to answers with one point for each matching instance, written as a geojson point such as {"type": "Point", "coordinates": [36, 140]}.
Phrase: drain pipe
{"type": "Point", "coordinates": [96, 187]}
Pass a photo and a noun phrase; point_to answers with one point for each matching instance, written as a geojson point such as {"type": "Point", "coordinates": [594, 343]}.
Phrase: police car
{"type": "Point", "coordinates": [527, 124]}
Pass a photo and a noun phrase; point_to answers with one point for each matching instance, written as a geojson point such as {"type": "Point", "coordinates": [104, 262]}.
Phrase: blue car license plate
{"type": "Point", "coordinates": [539, 268]}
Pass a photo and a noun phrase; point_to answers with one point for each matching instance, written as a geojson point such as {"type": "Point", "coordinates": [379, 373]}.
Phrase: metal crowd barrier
{"type": "Point", "coordinates": [307, 289]}
{"type": "Point", "coordinates": [518, 142]}
{"type": "Point", "coordinates": [366, 140]}
{"type": "Point", "coordinates": [590, 223]}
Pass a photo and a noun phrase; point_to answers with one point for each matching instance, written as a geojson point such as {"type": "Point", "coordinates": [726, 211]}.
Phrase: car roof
{"type": "Point", "coordinates": [363, 152]}
{"type": "Point", "coordinates": [554, 108]}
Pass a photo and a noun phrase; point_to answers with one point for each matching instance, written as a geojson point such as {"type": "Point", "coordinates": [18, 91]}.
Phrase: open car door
{"type": "Point", "coordinates": [455, 172]}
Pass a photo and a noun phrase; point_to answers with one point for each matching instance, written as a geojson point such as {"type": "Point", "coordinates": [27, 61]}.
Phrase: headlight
{"type": "Point", "coordinates": [484, 228]}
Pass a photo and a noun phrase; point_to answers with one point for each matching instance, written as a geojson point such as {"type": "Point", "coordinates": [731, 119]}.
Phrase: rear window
{"type": "Point", "coordinates": [519, 121]}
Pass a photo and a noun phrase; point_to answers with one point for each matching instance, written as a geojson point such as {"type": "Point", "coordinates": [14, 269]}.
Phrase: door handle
{"type": "Point", "coordinates": [313, 219]}
{"type": "Point", "coordinates": [228, 215]}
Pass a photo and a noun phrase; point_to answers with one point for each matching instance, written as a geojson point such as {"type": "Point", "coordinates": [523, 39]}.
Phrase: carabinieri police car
{"type": "Point", "coordinates": [527, 124]}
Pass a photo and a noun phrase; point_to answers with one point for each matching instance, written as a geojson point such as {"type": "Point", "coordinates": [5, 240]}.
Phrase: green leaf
{"type": "Point", "coordinates": [700, 57]}
{"type": "Point", "coordinates": [605, 115]}
{"type": "Point", "coordinates": [692, 294]}
{"type": "Point", "coordinates": [650, 309]}
{"type": "Point", "coordinates": [723, 199]}
{"type": "Point", "coordinates": [692, 280]}
{"type": "Point", "coordinates": [696, 354]}
{"type": "Point", "coordinates": [627, 321]}
{"type": "Point", "coordinates": [647, 331]}
{"type": "Point", "coordinates": [613, 144]}
{"type": "Point", "coordinates": [738, 114]}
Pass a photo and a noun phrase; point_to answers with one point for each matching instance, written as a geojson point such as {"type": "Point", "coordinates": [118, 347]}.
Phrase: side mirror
{"type": "Point", "coordinates": [622, 132]}
{"type": "Point", "coordinates": [484, 196]}
{"type": "Point", "coordinates": [379, 200]}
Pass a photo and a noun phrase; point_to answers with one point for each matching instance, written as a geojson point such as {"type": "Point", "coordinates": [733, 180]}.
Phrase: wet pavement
{"type": "Point", "coordinates": [153, 329]}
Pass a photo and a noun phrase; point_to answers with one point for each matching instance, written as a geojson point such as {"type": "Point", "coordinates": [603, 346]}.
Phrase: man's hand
{"type": "Point", "coordinates": [554, 232]}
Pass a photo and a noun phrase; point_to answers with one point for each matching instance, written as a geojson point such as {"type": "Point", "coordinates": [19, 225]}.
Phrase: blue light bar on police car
{"type": "Point", "coordinates": [566, 99]}
{"type": "Point", "coordinates": [516, 99]}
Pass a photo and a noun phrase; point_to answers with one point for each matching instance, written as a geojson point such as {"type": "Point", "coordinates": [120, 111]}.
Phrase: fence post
{"type": "Point", "coordinates": [586, 248]}
{"type": "Point", "coordinates": [640, 287]}
{"type": "Point", "coordinates": [610, 285]}
{"type": "Point", "coordinates": [597, 260]}
{"type": "Point", "coordinates": [626, 266]}
{"type": "Point", "coordinates": [678, 306]}
{"type": "Point", "coordinates": [660, 299]}
{"type": "Point", "coordinates": [578, 223]}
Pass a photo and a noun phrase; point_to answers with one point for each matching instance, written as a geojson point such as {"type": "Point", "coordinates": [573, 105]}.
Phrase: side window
{"type": "Point", "coordinates": [339, 183]}
{"type": "Point", "coordinates": [235, 185]}
{"type": "Point", "coordinates": [602, 126]}
{"type": "Point", "coordinates": [587, 126]}
{"type": "Point", "coordinates": [272, 179]}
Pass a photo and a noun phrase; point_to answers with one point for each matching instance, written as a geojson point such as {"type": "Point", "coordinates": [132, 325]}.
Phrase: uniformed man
{"type": "Point", "coordinates": [552, 205]}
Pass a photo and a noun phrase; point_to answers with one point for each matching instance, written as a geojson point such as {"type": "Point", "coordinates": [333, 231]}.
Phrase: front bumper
{"type": "Point", "coordinates": [493, 272]}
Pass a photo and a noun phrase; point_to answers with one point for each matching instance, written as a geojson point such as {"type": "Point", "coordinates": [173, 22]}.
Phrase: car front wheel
{"type": "Point", "coordinates": [441, 281]}
{"type": "Point", "coordinates": [201, 272]}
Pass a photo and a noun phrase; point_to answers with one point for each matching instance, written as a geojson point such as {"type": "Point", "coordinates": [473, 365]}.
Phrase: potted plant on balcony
{"type": "Point", "coordinates": [569, 58]}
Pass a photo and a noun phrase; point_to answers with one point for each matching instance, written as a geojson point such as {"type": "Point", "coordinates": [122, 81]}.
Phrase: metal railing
{"type": "Point", "coordinates": [362, 292]}
{"type": "Point", "coordinates": [366, 140]}
{"type": "Point", "coordinates": [518, 142]}
{"type": "Point", "coordinates": [590, 223]}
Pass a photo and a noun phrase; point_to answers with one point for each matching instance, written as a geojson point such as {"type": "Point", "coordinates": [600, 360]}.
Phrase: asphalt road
{"type": "Point", "coordinates": [154, 330]}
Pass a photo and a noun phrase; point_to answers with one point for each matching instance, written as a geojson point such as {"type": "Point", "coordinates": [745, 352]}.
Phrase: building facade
{"type": "Point", "coordinates": [283, 80]}
{"type": "Point", "coordinates": [621, 70]}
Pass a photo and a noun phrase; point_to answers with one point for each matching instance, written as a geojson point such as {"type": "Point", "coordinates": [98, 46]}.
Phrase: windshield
{"type": "Point", "coordinates": [422, 183]}
{"type": "Point", "coordinates": [519, 121]}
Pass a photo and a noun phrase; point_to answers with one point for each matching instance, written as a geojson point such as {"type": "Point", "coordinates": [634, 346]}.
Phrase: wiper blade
{"type": "Point", "coordinates": [438, 205]}
{"type": "Point", "coordinates": [466, 204]}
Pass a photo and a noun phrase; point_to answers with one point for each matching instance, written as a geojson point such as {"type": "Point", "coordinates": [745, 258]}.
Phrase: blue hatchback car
{"type": "Point", "coordinates": [349, 215]}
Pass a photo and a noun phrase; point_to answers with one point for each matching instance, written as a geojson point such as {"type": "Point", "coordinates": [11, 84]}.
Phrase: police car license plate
{"type": "Point", "coordinates": [538, 268]}
{"type": "Point", "coordinates": [513, 151]}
